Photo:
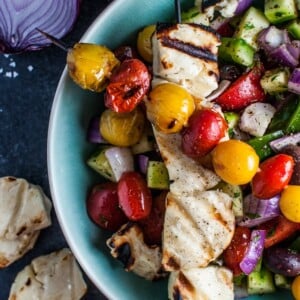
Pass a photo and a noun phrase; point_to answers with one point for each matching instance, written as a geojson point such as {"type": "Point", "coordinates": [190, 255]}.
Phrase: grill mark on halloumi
{"type": "Point", "coordinates": [189, 49]}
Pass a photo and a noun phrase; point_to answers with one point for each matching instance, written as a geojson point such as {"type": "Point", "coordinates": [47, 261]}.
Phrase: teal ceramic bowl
{"type": "Point", "coordinates": [69, 176]}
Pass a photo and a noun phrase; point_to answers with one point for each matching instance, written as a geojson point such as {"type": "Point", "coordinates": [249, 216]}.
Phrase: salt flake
{"type": "Point", "coordinates": [1, 70]}
{"type": "Point", "coordinates": [12, 64]}
{"type": "Point", "coordinates": [8, 74]}
{"type": "Point", "coordinates": [6, 55]}
{"type": "Point", "coordinates": [15, 74]}
{"type": "Point", "coordinates": [30, 68]}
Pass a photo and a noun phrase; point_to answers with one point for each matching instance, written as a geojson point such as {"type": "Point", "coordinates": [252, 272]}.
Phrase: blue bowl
{"type": "Point", "coordinates": [68, 150]}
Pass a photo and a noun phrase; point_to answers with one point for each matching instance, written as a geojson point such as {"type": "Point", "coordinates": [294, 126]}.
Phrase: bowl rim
{"type": "Point", "coordinates": [53, 113]}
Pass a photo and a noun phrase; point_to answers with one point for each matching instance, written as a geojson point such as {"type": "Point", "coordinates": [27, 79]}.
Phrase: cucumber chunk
{"type": "Point", "coordinates": [282, 281]}
{"type": "Point", "coordinates": [275, 81]}
{"type": "Point", "coordinates": [236, 50]}
{"type": "Point", "coordinates": [260, 282]}
{"type": "Point", "coordinates": [99, 163]}
{"type": "Point", "coordinates": [252, 22]}
{"type": "Point", "coordinates": [279, 11]}
{"type": "Point", "coordinates": [294, 28]}
{"type": "Point", "coordinates": [157, 175]}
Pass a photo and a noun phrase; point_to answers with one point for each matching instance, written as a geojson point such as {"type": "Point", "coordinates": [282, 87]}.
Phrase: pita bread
{"type": "Point", "coordinates": [55, 276]}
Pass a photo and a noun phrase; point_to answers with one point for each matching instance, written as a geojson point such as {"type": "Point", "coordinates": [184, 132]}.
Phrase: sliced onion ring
{"type": "Point", "coordinates": [254, 251]}
{"type": "Point", "coordinates": [278, 144]}
{"type": "Point", "coordinates": [19, 20]}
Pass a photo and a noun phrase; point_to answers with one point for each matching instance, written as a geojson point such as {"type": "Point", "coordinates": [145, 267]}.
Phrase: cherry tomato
{"type": "Point", "coordinates": [204, 131]}
{"type": "Point", "coordinates": [296, 287]}
{"type": "Point", "coordinates": [244, 91]}
{"type": "Point", "coordinates": [235, 161]}
{"type": "Point", "coordinates": [290, 203]}
{"type": "Point", "coordinates": [278, 229]}
{"type": "Point", "coordinates": [103, 206]}
{"type": "Point", "coordinates": [128, 85]}
{"type": "Point", "coordinates": [274, 174]}
{"type": "Point", "coordinates": [236, 250]}
{"type": "Point", "coordinates": [153, 225]}
{"type": "Point", "coordinates": [169, 107]}
{"type": "Point", "coordinates": [135, 198]}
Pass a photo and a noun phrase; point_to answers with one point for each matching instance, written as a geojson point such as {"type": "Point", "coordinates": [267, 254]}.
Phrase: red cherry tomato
{"type": "Point", "coordinates": [236, 250]}
{"type": "Point", "coordinates": [128, 85]}
{"type": "Point", "coordinates": [275, 173]}
{"type": "Point", "coordinates": [135, 198]}
{"type": "Point", "coordinates": [204, 131]}
{"type": "Point", "coordinates": [152, 226]}
{"type": "Point", "coordinates": [278, 229]}
{"type": "Point", "coordinates": [244, 91]}
{"type": "Point", "coordinates": [103, 206]}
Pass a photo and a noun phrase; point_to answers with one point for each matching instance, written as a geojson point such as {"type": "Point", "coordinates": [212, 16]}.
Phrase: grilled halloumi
{"type": "Point", "coordinates": [197, 229]}
{"type": "Point", "coordinates": [212, 282]}
{"type": "Point", "coordinates": [55, 276]}
{"type": "Point", "coordinates": [186, 54]}
{"type": "Point", "coordinates": [128, 246]}
{"type": "Point", "coordinates": [186, 175]}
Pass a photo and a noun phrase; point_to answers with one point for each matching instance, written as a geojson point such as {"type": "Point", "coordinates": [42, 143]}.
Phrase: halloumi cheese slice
{"type": "Point", "coordinates": [55, 276]}
{"type": "Point", "coordinates": [213, 282]}
{"type": "Point", "coordinates": [197, 229]}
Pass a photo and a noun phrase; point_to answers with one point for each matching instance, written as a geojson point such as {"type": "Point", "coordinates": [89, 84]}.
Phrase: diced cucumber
{"type": "Point", "coordinates": [145, 144]}
{"type": "Point", "coordinates": [282, 281]}
{"type": "Point", "coordinates": [236, 193]}
{"type": "Point", "coordinates": [193, 15]}
{"type": "Point", "coordinates": [294, 28]}
{"type": "Point", "coordinates": [232, 119]}
{"type": "Point", "coordinates": [100, 164]}
{"type": "Point", "coordinates": [260, 282]}
{"type": "Point", "coordinates": [275, 81]}
{"type": "Point", "coordinates": [236, 50]}
{"type": "Point", "coordinates": [252, 22]}
{"type": "Point", "coordinates": [279, 11]}
{"type": "Point", "coordinates": [157, 175]}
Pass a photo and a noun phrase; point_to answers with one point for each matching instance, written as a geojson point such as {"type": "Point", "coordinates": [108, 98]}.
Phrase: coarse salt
{"type": "Point", "coordinates": [30, 68]}
{"type": "Point", "coordinates": [12, 64]}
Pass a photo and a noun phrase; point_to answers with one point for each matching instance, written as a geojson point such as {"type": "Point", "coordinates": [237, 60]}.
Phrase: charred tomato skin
{"type": "Point", "coordinates": [205, 129]}
{"type": "Point", "coordinates": [103, 206]}
{"type": "Point", "coordinates": [128, 85]}
{"type": "Point", "coordinates": [135, 197]}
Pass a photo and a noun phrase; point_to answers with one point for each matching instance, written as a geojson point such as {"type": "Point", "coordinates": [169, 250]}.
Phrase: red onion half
{"type": "Point", "coordinates": [19, 20]}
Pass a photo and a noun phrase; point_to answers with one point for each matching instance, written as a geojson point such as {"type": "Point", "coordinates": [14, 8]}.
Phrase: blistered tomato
{"type": "Point", "coordinates": [169, 107]}
{"type": "Point", "coordinates": [235, 161]}
{"type": "Point", "coordinates": [274, 174]}
{"type": "Point", "coordinates": [290, 203]}
{"type": "Point", "coordinates": [296, 287]}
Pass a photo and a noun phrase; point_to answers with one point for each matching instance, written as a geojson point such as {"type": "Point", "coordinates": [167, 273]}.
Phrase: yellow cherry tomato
{"type": "Point", "coordinates": [296, 287]}
{"type": "Point", "coordinates": [235, 161]}
{"type": "Point", "coordinates": [91, 65]}
{"type": "Point", "coordinates": [144, 45]}
{"type": "Point", "coordinates": [290, 203]}
{"type": "Point", "coordinates": [169, 107]}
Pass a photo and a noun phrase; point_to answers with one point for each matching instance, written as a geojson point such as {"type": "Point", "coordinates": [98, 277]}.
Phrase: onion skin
{"type": "Point", "coordinates": [19, 20]}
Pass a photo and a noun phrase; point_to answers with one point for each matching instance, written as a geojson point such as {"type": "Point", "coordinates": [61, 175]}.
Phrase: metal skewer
{"type": "Point", "coordinates": [54, 40]}
{"type": "Point", "coordinates": [178, 10]}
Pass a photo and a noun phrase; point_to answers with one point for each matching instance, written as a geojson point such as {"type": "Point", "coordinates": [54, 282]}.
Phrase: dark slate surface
{"type": "Point", "coordinates": [25, 105]}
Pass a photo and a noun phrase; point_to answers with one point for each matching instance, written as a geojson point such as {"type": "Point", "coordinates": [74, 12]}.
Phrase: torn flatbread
{"type": "Point", "coordinates": [55, 276]}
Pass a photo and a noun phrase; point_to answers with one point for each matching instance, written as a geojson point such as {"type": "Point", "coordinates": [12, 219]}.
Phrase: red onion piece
{"type": "Point", "coordinates": [223, 85]}
{"type": "Point", "coordinates": [143, 163]}
{"type": "Point", "coordinates": [93, 132]}
{"type": "Point", "coordinates": [254, 251]}
{"type": "Point", "coordinates": [258, 211]}
{"type": "Point", "coordinates": [218, 22]}
{"type": "Point", "coordinates": [284, 56]}
{"type": "Point", "coordinates": [278, 144]}
{"type": "Point", "coordinates": [242, 6]}
{"type": "Point", "coordinates": [294, 81]}
{"type": "Point", "coordinates": [19, 20]}
{"type": "Point", "coordinates": [120, 160]}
